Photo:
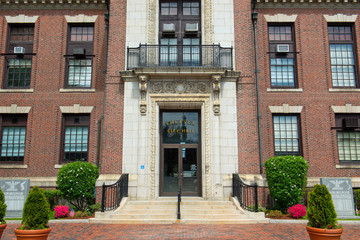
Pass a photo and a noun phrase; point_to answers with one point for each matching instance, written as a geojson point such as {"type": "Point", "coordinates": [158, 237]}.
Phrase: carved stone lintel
{"type": "Point", "coordinates": [143, 91]}
{"type": "Point", "coordinates": [216, 92]}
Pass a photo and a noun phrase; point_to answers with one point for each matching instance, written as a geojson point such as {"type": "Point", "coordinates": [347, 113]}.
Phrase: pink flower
{"type": "Point", "coordinates": [297, 211]}
{"type": "Point", "coordinates": [61, 211]}
{"type": "Point", "coordinates": [357, 211]}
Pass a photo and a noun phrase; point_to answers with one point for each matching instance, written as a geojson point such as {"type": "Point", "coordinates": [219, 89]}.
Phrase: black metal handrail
{"type": "Point", "coordinates": [180, 55]}
{"type": "Point", "coordinates": [179, 201]}
{"type": "Point", "coordinates": [113, 194]}
{"type": "Point", "coordinates": [247, 195]}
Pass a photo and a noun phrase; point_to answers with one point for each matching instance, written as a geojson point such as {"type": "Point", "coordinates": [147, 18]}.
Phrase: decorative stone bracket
{"type": "Point", "coordinates": [143, 90]}
{"type": "Point", "coordinates": [216, 90]}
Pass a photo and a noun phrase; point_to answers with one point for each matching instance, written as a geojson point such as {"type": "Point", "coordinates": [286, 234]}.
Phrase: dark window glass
{"type": "Point", "coordinates": [286, 135]}
{"type": "Point", "coordinates": [348, 145]}
{"type": "Point", "coordinates": [76, 138]}
{"type": "Point", "coordinates": [22, 34]}
{"type": "Point", "coordinates": [191, 8]}
{"type": "Point", "coordinates": [80, 73]}
{"type": "Point", "coordinates": [82, 34]}
{"type": "Point", "coordinates": [282, 63]}
{"type": "Point", "coordinates": [13, 138]}
{"type": "Point", "coordinates": [191, 52]}
{"type": "Point", "coordinates": [342, 56]}
{"type": "Point", "coordinates": [280, 33]}
{"type": "Point", "coordinates": [169, 8]}
{"type": "Point", "coordinates": [168, 52]}
{"type": "Point", "coordinates": [180, 127]}
{"type": "Point", "coordinates": [19, 73]}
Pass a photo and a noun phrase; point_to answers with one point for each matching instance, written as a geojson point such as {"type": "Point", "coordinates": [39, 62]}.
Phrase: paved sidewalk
{"type": "Point", "coordinates": [283, 231]}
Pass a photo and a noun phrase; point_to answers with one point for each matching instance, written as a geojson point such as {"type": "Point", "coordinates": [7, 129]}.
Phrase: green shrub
{"type": "Point", "coordinates": [36, 211]}
{"type": "Point", "coordinates": [76, 182]}
{"type": "Point", "coordinates": [275, 214]}
{"type": "Point", "coordinates": [51, 196]}
{"type": "Point", "coordinates": [93, 208]}
{"type": "Point", "coordinates": [286, 177]}
{"type": "Point", "coordinates": [2, 207]}
{"type": "Point", "coordinates": [357, 198]}
{"type": "Point", "coordinates": [321, 211]}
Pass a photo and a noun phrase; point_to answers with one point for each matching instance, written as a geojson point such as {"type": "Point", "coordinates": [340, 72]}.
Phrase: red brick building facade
{"type": "Point", "coordinates": [74, 85]}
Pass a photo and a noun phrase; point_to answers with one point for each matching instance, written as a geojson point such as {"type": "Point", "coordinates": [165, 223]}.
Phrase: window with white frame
{"type": "Point", "coordinates": [286, 135]}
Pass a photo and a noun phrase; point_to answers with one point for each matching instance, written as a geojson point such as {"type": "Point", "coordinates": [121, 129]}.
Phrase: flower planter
{"type": "Point", "coordinates": [324, 234]}
{"type": "Point", "coordinates": [41, 234]}
{"type": "Point", "coordinates": [2, 228]}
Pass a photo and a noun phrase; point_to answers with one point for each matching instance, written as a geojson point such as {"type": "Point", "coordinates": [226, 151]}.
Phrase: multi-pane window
{"type": "Point", "coordinates": [180, 33]}
{"type": "Point", "coordinates": [191, 52]}
{"type": "Point", "coordinates": [286, 135]}
{"type": "Point", "coordinates": [13, 133]}
{"type": "Point", "coordinates": [19, 73]}
{"type": "Point", "coordinates": [169, 8]}
{"type": "Point", "coordinates": [282, 57]}
{"type": "Point", "coordinates": [342, 56]}
{"type": "Point", "coordinates": [191, 8]}
{"type": "Point", "coordinates": [348, 137]}
{"type": "Point", "coordinates": [75, 137]}
{"type": "Point", "coordinates": [80, 73]}
{"type": "Point", "coordinates": [168, 52]}
{"type": "Point", "coordinates": [18, 58]}
{"type": "Point", "coordinates": [79, 58]}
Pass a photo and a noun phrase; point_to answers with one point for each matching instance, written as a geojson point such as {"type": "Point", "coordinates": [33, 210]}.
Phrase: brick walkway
{"type": "Point", "coordinates": [67, 231]}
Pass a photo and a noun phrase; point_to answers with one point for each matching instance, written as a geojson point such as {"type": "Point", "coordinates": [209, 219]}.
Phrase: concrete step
{"type": "Point", "coordinates": [133, 221]}
{"type": "Point", "coordinates": [143, 216]}
{"type": "Point", "coordinates": [212, 216]}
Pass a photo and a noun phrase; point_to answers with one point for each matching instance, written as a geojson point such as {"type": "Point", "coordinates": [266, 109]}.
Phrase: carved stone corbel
{"type": "Point", "coordinates": [143, 91]}
{"type": "Point", "coordinates": [216, 93]}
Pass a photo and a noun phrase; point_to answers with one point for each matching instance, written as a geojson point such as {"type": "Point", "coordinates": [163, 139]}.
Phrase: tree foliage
{"type": "Point", "coordinates": [2, 207]}
{"type": "Point", "coordinates": [287, 178]}
{"type": "Point", "coordinates": [76, 181]}
{"type": "Point", "coordinates": [321, 211]}
{"type": "Point", "coordinates": [36, 211]}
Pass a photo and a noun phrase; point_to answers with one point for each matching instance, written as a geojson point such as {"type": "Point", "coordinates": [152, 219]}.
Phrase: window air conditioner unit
{"type": "Point", "coordinates": [350, 123]}
{"type": "Point", "coordinates": [79, 51]}
{"type": "Point", "coordinates": [169, 27]}
{"type": "Point", "coordinates": [191, 27]}
{"type": "Point", "coordinates": [19, 50]}
{"type": "Point", "coordinates": [282, 48]}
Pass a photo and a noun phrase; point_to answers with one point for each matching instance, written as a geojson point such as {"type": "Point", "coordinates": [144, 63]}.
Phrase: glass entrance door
{"type": "Point", "coordinates": [180, 154]}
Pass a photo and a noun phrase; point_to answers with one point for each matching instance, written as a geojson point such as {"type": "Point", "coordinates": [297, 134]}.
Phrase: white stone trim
{"type": "Point", "coordinates": [31, 90]}
{"type": "Point", "coordinates": [347, 166]}
{"type": "Point", "coordinates": [285, 108]}
{"type": "Point", "coordinates": [81, 18]}
{"type": "Point", "coordinates": [14, 109]}
{"type": "Point", "coordinates": [284, 90]}
{"type": "Point", "coordinates": [76, 109]}
{"type": "Point", "coordinates": [37, 181]}
{"type": "Point", "coordinates": [348, 108]}
{"type": "Point", "coordinates": [63, 90]}
{"type": "Point", "coordinates": [107, 179]}
{"type": "Point", "coordinates": [344, 90]}
{"type": "Point", "coordinates": [340, 18]}
{"type": "Point", "coordinates": [12, 166]}
{"type": "Point", "coordinates": [21, 19]}
{"type": "Point", "coordinates": [280, 18]}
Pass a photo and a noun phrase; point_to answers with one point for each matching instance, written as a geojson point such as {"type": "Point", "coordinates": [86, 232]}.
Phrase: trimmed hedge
{"type": "Point", "coordinates": [36, 211]}
{"type": "Point", "coordinates": [287, 178]}
{"type": "Point", "coordinates": [76, 181]}
{"type": "Point", "coordinates": [2, 207]}
{"type": "Point", "coordinates": [321, 211]}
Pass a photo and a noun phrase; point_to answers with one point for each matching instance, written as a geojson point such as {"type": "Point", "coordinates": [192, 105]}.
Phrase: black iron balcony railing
{"type": "Point", "coordinates": [179, 56]}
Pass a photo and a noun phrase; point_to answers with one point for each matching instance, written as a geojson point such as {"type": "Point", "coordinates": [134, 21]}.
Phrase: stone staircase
{"type": "Point", "coordinates": [194, 210]}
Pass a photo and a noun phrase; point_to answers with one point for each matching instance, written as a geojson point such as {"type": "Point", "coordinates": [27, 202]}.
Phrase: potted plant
{"type": "Point", "coordinates": [35, 217]}
{"type": "Point", "coordinates": [322, 215]}
{"type": "Point", "coordinates": [2, 213]}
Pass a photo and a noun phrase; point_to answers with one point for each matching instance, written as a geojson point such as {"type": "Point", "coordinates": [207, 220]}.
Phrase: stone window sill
{"type": "Point", "coordinates": [13, 166]}
{"type": "Point", "coordinates": [17, 90]}
{"type": "Point", "coordinates": [344, 90]}
{"type": "Point", "coordinates": [284, 90]}
{"type": "Point", "coordinates": [57, 166]}
{"type": "Point", "coordinates": [63, 90]}
{"type": "Point", "coordinates": [347, 166]}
